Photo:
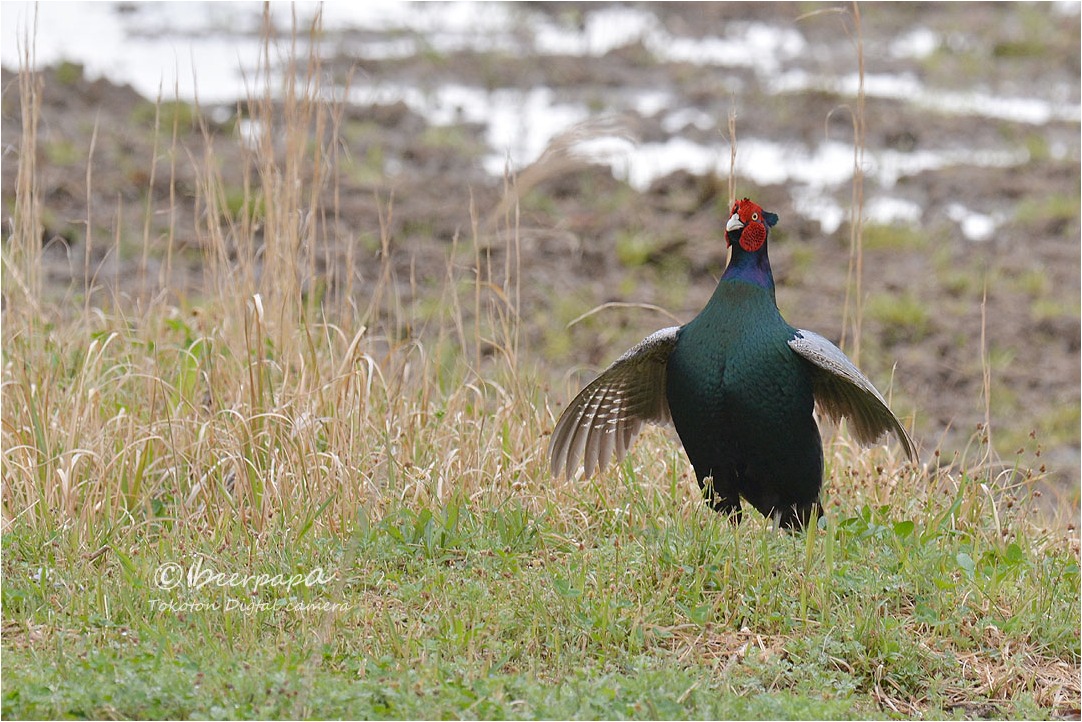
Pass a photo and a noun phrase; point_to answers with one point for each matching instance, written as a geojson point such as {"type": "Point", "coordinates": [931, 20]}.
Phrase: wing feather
{"type": "Point", "coordinates": [603, 420]}
{"type": "Point", "coordinates": [841, 390]}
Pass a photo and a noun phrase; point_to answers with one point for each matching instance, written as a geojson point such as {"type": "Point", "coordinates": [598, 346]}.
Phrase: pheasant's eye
{"type": "Point", "coordinates": [755, 216]}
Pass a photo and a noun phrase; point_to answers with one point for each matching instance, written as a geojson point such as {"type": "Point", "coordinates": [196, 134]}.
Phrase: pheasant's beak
{"type": "Point", "coordinates": [734, 224]}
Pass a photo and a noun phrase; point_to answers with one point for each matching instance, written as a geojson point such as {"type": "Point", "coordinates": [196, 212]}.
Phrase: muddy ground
{"type": "Point", "coordinates": [587, 238]}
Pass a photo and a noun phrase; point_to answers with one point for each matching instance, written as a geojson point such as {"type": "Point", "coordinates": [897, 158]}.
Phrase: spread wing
{"type": "Point", "coordinates": [608, 414]}
{"type": "Point", "coordinates": [842, 390]}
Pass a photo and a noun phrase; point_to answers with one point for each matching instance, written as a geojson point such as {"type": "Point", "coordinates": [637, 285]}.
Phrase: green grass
{"type": "Point", "coordinates": [603, 602]}
{"type": "Point", "coordinates": [634, 249]}
{"type": "Point", "coordinates": [167, 113]}
{"type": "Point", "coordinates": [882, 236]}
{"type": "Point", "coordinates": [1051, 208]}
{"type": "Point", "coordinates": [904, 317]}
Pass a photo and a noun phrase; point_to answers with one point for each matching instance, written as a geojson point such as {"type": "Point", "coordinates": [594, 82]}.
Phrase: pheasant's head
{"type": "Point", "coordinates": [748, 225]}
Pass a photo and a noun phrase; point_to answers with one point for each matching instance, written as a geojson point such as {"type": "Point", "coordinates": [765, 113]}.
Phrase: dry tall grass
{"type": "Point", "coordinates": [288, 396]}
{"type": "Point", "coordinates": [284, 393]}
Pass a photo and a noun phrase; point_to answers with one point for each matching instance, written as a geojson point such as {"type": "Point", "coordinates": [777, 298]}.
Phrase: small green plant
{"type": "Point", "coordinates": [1052, 207]}
{"type": "Point", "coordinates": [62, 152]}
{"type": "Point", "coordinates": [168, 114]}
{"type": "Point", "coordinates": [902, 317]}
{"type": "Point", "coordinates": [1033, 282]}
{"type": "Point", "coordinates": [894, 237]}
{"type": "Point", "coordinates": [1043, 309]}
{"type": "Point", "coordinates": [450, 137]}
{"type": "Point", "coordinates": [241, 205]}
{"type": "Point", "coordinates": [634, 248]}
{"type": "Point", "coordinates": [69, 73]}
{"type": "Point", "coordinates": [1037, 147]}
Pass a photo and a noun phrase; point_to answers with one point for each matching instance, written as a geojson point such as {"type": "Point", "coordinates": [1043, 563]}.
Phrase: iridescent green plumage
{"type": "Point", "coordinates": [739, 384]}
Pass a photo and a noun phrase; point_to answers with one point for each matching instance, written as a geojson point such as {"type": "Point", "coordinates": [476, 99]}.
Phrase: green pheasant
{"type": "Point", "coordinates": [739, 384]}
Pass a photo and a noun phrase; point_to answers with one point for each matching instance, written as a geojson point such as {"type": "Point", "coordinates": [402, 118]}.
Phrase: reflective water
{"type": "Point", "coordinates": [211, 50]}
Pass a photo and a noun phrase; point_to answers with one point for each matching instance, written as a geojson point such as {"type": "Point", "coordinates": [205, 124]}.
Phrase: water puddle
{"type": "Point", "coordinates": [212, 49]}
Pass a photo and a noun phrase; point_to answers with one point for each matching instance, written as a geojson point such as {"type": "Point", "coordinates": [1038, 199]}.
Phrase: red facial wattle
{"type": "Point", "coordinates": [752, 237]}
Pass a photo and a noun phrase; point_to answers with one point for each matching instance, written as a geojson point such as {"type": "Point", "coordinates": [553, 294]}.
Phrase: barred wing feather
{"type": "Point", "coordinates": [607, 415]}
{"type": "Point", "coordinates": [840, 389]}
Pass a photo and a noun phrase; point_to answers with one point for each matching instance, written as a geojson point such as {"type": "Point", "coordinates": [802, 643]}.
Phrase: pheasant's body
{"type": "Point", "coordinates": [739, 384]}
{"type": "Point", "coordinates": [742, 402]}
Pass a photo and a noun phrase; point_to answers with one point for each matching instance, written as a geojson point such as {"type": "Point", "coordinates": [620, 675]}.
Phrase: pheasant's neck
{"type": "Point", "coordinates": [751, 267]}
